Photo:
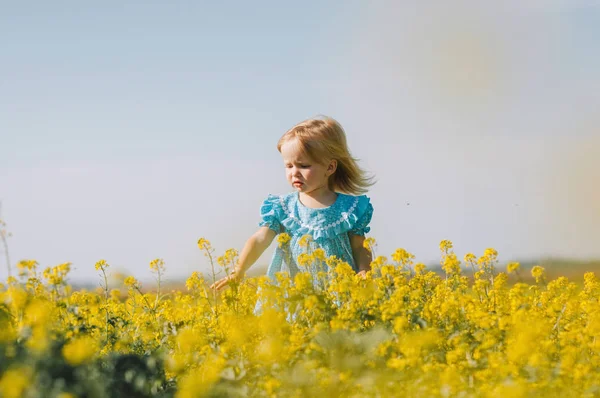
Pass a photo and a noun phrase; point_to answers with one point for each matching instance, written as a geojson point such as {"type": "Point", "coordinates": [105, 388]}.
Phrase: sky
{"type": "Point", "coordinates": [128, 130]}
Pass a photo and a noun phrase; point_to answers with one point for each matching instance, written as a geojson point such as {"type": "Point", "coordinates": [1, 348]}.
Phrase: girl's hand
{"type": "Point", "coordinates": [362, 274]}
{"type": "Point", "coordinates": [221, 283]}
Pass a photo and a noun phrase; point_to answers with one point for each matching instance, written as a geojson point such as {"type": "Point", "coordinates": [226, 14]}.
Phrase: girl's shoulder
{"type": "Point", "coordinates": [357, 211]}
{"type": "Point", "coordinates": [278, 202]}
{"type": "Point", "coordinates": [272, 213]}
{"type": "Point", "coordinates": [359, 214]}
{"type": "Point", "coordinates": [349, 203]}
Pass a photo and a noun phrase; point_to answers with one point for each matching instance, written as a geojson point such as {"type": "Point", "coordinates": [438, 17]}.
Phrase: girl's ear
{"type": "Point", "coordinates": [332, 167]}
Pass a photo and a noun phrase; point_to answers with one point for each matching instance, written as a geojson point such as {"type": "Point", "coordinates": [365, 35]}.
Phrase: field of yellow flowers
{"type": "Point", "coordinates": [473, 330]}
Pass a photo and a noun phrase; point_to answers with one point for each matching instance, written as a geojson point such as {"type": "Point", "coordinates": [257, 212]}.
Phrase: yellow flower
{"type": "Point", "coordinates": [157, 265]}
{"type": "Point", "coordinates": [303, 281]}
{"type": "Point", "coordinates": [445, 245]}
{"type": "Point", "coordinates": [101, 265]}
{"type": "Point", "coordinates": [304, 241]}
{"type": "Point", "coordinates": [38, 312]}
{"type": "Point", "coordinates": [194, 282]}
{"type": "Point", "coordinates": [14, 382]}
{"type": "Point", "coordinates": [57, 275]}
{"type": "Point", "coordinates": [204, 244]}
{"type": "Point", "coordinates": [512, 267]}
{"type": "Point", "coordinates": [319, 254]}
{"type": "Point", "coordinates": [26, 267]}
{"type": "Point", "coordinates": [419, 268]}
{"type": "Point", "coordinates": [490, 252]}
{"type": "Point", "coordinates": [538, 273]}
{"type": "Point", "coordinates": [271, 386]}
{"type": "Point", "coordinates": [115, 294]}
{"type": "Point", "coordinates": [80, 350]}
{"type": "Point", "coordinates": [33, 284]}
{"type": "Point", "coordinates": [130, 281]}
{"type": "Point", "coordinates": [39, 340]}
{"type": "Point", "coordinates": [369, 244]}
{"type": "Point", "coordinates": [451, 264]}
{"type": "Point", "coordinates": [379, 261]}
{"type": "Point", "coordinates": [304, 260]}
{"type": "Point", "coordinates": [198, 381]}
{"type": "Point", "coordinates": [231, 255]}
{"type": "Point", "coordinates": [228, 258]}
{"type": "Point", "coordinates": [400, 324]}
{"type": "Point", "coordinates": [311, 302]}
{"type": "Point", "coordinates": [189, 340]}
{"type": "Point", "coordinates": [283, 239]}
{"type": "Point", "coordinates": [332, 261]}
{"type": "Point", "coordinates": [401, 256]}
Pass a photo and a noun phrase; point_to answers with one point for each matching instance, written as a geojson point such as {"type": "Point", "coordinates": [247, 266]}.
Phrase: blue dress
{"type": "Point", "coordinates": [328, 227]}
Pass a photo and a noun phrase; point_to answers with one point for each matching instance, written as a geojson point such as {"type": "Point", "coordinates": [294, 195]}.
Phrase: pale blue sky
{"type": "Point", "coordinates": [130, 130]}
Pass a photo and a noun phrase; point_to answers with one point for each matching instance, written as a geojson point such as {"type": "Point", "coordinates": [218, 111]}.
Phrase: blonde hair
{"type": "Point", "coordinates": [322, 140]}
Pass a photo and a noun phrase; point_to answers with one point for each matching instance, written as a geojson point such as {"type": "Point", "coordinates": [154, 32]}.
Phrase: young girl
{"type": "Point", "coordinates": [323, 205]}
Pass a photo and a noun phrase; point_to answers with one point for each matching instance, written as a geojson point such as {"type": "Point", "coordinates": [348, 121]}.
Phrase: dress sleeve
{"type": "Point", "coordinates": [270, 214]}
{"type": "Point", "coordinates": [364, 214]}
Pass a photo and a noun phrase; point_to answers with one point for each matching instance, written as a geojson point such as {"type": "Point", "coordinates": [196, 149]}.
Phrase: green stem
{"type": "Point", "coordinates": [105, 301]}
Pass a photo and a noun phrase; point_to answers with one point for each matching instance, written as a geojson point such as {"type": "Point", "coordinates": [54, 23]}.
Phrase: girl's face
{"type": "Point", "coordinates": [302, 172]}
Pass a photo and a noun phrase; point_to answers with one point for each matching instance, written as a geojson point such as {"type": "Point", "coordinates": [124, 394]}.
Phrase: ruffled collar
{"type": "Point", "coordinates": [322, 223]}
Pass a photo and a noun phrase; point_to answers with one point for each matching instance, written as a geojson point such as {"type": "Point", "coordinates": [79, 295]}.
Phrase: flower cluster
{"type": "Point", "coordinates": [465, 329]}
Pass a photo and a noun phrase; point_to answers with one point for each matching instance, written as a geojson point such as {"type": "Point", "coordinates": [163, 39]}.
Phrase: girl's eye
{"type": "Point", "coordinates": [302, 166]}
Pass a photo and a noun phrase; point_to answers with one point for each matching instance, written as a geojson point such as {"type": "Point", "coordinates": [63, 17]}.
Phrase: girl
{"type": "Point", "coordinates": [325, 178]}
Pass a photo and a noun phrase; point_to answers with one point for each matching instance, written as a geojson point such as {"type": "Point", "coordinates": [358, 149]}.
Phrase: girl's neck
{"type": "Point", "coordinates": [318, 198]}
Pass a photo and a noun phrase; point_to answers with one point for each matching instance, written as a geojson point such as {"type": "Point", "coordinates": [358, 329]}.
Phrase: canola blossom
{"type": "Point", "coordinates": [473, 329]}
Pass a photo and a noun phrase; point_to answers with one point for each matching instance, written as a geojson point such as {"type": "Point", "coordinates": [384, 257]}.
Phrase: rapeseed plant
{"type": "Point", "coordinates": [404, 330]}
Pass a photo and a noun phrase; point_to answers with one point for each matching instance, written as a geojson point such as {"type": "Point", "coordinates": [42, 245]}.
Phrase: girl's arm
{"type": "Point", "coordinates": [362, 256]}
{"type": "Point", "coordinates": [254, 247]}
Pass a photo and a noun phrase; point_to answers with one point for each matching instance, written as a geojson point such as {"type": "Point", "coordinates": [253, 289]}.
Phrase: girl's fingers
{"type": "Point", "coordinates": [218, 285]}
{"type": "Point", "coordinates": [221, 283]}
